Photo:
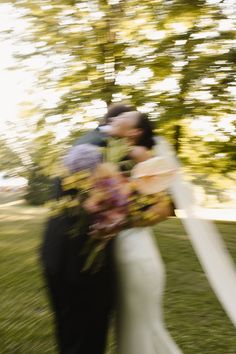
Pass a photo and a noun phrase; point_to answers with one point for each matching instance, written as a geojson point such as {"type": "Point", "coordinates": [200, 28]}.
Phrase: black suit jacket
{"type": "Point", "coordinates": [94, 137]}
{"type": "Point", "coordinates": [60, 252]}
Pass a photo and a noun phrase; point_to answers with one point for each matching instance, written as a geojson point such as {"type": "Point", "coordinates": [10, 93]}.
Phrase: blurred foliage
{"type": "Point", "coordinates": [39, 189]}
{"type": "Point", "coordinates": [9, 159]}
{"type": "Point", "coordinates": [45, 156]}
{"type": "Point", "coordinates": [174, 59]}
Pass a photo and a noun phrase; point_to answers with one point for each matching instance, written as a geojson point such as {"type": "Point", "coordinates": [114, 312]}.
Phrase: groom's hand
{"type": "Point", "coordinates": [161, 211]}
{"type": "Point", "coordinates": [157, 212]}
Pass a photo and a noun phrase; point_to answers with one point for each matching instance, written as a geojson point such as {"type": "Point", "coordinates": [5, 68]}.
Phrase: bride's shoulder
{"type": "Point", "coordinates": [140, 153]}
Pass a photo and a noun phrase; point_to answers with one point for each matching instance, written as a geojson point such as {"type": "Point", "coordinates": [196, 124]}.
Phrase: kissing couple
{"type": "Point", "coordinates": [98, 253]}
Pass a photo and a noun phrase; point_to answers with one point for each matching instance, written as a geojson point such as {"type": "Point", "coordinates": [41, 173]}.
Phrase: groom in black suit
{"type": "Point", "coordinates": [81, 301]}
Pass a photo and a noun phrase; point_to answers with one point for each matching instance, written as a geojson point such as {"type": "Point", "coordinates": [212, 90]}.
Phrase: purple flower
{"type": "Point", "coordinates": [82, 157]}
{"type": "Point", "coordinates": [106, 182]}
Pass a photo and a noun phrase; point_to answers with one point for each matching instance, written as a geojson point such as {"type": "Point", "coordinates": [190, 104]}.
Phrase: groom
{"type": "Point", "coordinates": [81, 301]}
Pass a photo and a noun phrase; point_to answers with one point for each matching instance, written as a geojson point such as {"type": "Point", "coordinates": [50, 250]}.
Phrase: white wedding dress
{"type": "Point", "coordinates": [141, 274]}
{"type": "Point", "coordinates": [141, 280]}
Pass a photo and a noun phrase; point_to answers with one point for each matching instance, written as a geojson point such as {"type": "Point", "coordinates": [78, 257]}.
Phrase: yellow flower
{"type": "Point", "coordinates": [84, 184]}
{"type": "Point", "coordinates": [56, 207]}
{"type": "Point", "coordinates": [77, 180]}
{"type": "Point", "coordinates": [82, 175]}
{"type": "Point", "coordinates": [68, 183]}
{"type": "Point", "coordinates": [73, 203]}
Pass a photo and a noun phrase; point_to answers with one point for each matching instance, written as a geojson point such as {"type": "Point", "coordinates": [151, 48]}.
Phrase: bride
{"type": "Point", "coordinates": [139, 266]}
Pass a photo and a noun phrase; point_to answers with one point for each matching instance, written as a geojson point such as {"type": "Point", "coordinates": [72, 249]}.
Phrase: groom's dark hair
{"type": "Point", "coordinates": [147, 137]}
{"type": "Point", "coordinates": [116, 109]}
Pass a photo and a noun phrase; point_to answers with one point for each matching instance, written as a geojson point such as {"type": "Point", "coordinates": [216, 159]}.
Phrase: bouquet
{"type": "Point", "coordinates": [111, 200]}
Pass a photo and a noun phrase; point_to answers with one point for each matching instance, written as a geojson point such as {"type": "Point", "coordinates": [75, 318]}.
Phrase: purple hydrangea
{"type": "Point", "coordinates": [82, 157]}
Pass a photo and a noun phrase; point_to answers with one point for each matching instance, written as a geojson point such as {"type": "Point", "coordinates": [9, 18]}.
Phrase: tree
{"type": "Point", "coordinates": [172, 58]}
{"type": "Point", "coordinates": [39, 188]}
{"type": "Point", "coordinates": [9, 159]}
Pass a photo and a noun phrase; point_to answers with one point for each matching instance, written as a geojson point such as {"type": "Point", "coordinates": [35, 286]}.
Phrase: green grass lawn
{"type": "Point", "coordinates": [193, 315]}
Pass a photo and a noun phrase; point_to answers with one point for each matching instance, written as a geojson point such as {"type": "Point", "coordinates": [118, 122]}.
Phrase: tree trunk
{"type": "Point", "coordinates": [177, 137]}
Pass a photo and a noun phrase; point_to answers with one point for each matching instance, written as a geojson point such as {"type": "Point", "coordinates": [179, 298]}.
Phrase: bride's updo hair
{"type": "Point", "coordinates": [146, 139]}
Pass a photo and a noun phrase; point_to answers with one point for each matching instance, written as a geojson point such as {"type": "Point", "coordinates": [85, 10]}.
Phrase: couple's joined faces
{"type": "Point", "coordinates": [125, 125]}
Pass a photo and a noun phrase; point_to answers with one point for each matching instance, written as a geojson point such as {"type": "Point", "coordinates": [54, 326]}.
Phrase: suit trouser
{"type": "Point", "coordinates": [81, 301]}
{"type": "Point", "coordinates": [81, 312]}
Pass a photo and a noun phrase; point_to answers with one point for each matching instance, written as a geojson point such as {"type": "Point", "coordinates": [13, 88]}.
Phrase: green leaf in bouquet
{"type": "Point", "coordinates": [116, 150]}
{"type": "Point", "coordinates": [95, 259]}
